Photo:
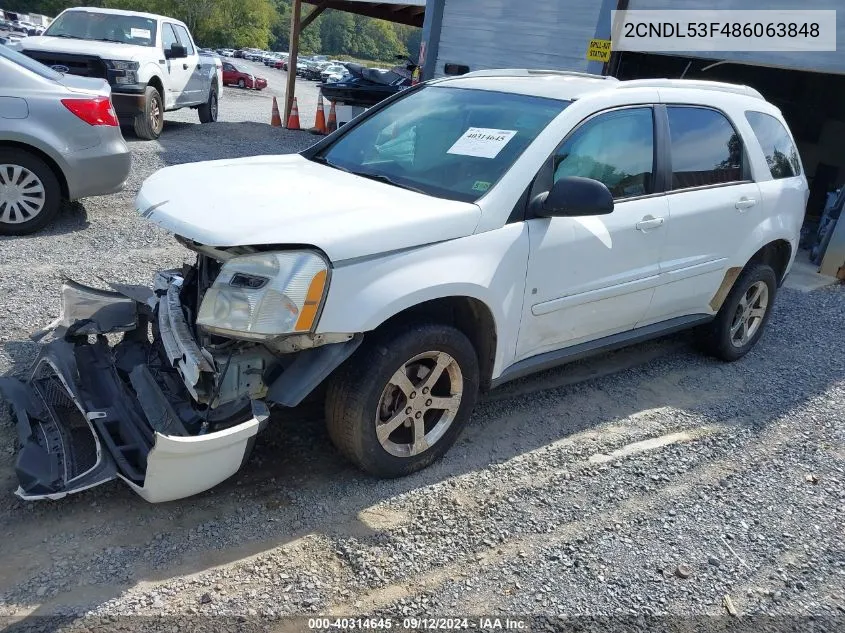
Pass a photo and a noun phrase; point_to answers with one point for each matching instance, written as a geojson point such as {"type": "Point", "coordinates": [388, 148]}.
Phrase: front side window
{"type": "Point", "coordinates": [454, 143]}
{"type": "Point", "coordinates": [184, 38]}
{"type": "Point", "coordinates": [706, 149]}
{"type": "Point", "coordinates": [616, 148]}
{"type": "Point", "coordinates": [168, 36]}
{"type": "Point", "coordinates": [105, 27]}
{"type": "Point", "coordinates": [780, 151]}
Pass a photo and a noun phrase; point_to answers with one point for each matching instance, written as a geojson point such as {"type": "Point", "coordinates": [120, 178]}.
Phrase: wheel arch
{"type": "Point", "coordinates": [470, 315]}
{"type": "Point", "coordinates": [777, 254]}
{"type": "Point", "coordinates": [156, 82]}
{"type": "Point", "coordinates": [51, 163]}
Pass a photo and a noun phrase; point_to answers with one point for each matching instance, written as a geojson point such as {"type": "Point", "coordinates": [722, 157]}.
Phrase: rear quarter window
{"type": "Point", "coordinates": [778, 148]}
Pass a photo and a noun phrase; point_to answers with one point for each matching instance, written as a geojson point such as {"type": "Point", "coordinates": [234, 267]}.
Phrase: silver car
{"type": "Point", "coordinates": [59, 139]}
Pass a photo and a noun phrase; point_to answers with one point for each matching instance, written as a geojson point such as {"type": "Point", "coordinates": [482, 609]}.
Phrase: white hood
{"type": "Point", "coordinates": [104, 50]}
{"type": "Point", "coordinates": [288, 199]}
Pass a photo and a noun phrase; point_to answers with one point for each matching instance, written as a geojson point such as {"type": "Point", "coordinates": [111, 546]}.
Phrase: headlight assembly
{"type": "Point", "coordinates": [266, 295]}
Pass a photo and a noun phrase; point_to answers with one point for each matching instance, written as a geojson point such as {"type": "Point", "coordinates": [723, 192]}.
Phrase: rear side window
{"type": "Point", "coordinates": [706, 149]}
{"type": "Point", "coordinates": [777, 145]}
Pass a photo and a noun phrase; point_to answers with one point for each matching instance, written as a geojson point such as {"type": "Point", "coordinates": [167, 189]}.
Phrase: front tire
{"type": "Point", "coordinates": [208, 110]}
{"type": "Point", "coordinates": [744, 315]}
{"type": "Point", "coordinates": [149, 123]}
{"type": "Point", "coordinates": [241, 84]}
{"type": "Point", "coordinates": [403, 399]}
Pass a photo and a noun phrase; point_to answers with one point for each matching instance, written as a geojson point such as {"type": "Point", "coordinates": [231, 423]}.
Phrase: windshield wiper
{"type": "Point", "coordinates": [322, 160]}
{"type": "Point", "coordinates": [70, 37]}
{"type": "Point", "coordinates": [386, 179]}
{"type": "Point", "coordinates": [108, 39]}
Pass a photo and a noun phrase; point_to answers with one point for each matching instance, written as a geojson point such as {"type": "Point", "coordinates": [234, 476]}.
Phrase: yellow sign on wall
{"type": "Point", "coordinates": [599, 51]}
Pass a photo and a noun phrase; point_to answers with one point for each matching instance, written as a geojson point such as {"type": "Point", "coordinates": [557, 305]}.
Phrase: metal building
{"type": "Point", "coordinates": [809, 87]}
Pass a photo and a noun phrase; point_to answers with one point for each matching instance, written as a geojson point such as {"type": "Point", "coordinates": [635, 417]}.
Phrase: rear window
{"type": "Point", "coordinates": [30, 64]}
{"type": "Point", "coordinates": [780, 152]}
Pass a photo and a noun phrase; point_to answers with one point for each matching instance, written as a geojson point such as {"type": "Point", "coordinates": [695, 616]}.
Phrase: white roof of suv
{"type": "Point", "coordinates": [560, 84]}
{"type": "Point", "coordinates": [142, 14]}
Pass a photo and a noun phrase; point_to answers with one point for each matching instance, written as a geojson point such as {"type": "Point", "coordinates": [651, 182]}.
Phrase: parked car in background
{"type": "Point", "coordinates": [337, 70]}
{"type": "Point", "coordinates": [314, 70]}
{"type": "Point", "coordinates": [59, 139]}
{"type": "Point", "coordinates": [241, 76]}
{"type": "Point", "coordinates": [150, 61]}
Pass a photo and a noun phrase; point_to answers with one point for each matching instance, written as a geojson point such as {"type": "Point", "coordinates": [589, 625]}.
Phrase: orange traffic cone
{"type": "Point", "coordinates": [320, 125]}
{"type": "Point", "coordinates": [293, 119]}
{"type": "Point", "coordinates": [332, 126]}
{"type": "Point", "coordinates": [275, 119]}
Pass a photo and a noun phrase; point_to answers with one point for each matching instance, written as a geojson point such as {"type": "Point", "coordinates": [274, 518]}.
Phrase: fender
{"type": "Point", "coordinates": [489, 267]}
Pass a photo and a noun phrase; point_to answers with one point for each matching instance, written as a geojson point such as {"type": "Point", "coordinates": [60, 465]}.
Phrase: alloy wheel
{"type": "Point", "coordinates": [22, 194]}
{"type": "Point", "coordinates": [749, 314]}
{"type": "Point", "coordinates": [419, 404]}
{"type": "Point", "coordinates": [156, 116]}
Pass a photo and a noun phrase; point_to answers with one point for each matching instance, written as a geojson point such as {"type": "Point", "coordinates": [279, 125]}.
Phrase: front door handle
{"type": "Point", "coordinates": [649, 222]}
{"type": "Point", "coordinates": [745, 203]}
{"type": "Point", "coordinates": [184, 66]}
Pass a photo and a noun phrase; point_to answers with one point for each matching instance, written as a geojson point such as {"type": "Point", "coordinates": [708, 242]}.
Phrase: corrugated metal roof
{"type": "Point", "coordinates": [411, 12]}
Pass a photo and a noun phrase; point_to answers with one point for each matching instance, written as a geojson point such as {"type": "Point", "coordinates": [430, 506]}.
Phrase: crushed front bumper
{"type": "Point", "coordinates": [89, 412]}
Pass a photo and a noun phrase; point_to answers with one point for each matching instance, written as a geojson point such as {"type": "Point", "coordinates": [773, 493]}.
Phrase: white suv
{"type": "Point", "coordinates": [463, 233]}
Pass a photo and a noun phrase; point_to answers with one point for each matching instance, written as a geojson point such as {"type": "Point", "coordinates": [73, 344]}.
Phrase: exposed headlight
{"type": "Point", "coordinates": [266, 295]}
{"type": "Point", "coordinates": [129, 77]}
{"type": "Point", "coordinates": [122, 65]}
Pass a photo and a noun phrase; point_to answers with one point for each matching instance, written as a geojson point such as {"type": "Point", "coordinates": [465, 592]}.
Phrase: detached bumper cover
{"type": "Point", "coordinates": [88, 412]}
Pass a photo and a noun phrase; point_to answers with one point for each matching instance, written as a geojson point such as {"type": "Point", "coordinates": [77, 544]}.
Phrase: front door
{"type": "Point", "coordinates": [590, 277]}
{"type": "Point", "coordinates": [178, 72]}
{"type": "Point", "coordinates": [196, 87]}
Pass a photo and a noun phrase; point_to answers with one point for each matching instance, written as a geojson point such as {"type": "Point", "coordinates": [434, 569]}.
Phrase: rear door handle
{"type": "Point", "coordinates": [184, 66]}
{"type": "Point", "coordinates": [649, 222]}
{"type": "Point", "coordinates": [745, 203]}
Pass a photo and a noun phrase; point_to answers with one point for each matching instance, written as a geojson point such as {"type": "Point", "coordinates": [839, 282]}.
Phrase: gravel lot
{"type": "Point", "coordinates": [648, 481]}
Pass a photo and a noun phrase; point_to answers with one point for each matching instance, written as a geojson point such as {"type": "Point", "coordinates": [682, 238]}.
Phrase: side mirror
{"type": "Point", "coordinates": [574, 196]}
{"type": "Point", "coordinates": [176, 52]}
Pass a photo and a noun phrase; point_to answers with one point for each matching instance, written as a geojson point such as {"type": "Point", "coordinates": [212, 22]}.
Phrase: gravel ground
{"type": "Point", "coordinates": [650, 481]}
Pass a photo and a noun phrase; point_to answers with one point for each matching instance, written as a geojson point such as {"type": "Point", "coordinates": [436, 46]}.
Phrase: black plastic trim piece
{"type": "Point", "coordinates": [550, 360]}
{"type": "Point", "coordinates": [310, 368]}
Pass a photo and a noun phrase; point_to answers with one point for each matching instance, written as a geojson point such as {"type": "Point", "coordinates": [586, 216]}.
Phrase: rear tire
{"type": "Point", "coordinates": [744, 315]}
{"type": "Point", "coordinates": [149, 123]}
{"type": "Point", "coordinates": [35, 195]}
{"type": "Point", "coordinates": [418, 416]}
{"type": "Point", "coordinates": [208, 110]}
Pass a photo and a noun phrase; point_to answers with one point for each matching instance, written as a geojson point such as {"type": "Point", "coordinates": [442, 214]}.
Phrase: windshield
{"type": "Point", "coordinates": [106, 27]}
{"type": "Point", "coordinates": [453, 143]}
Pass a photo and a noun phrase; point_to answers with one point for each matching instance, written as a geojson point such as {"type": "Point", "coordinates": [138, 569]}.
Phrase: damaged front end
{"type": "Point", "coordinates": [127, 385]}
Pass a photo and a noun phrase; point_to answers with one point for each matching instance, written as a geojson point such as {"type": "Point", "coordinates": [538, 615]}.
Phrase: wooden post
{"type": "Point", "coordinates": [295, 29]}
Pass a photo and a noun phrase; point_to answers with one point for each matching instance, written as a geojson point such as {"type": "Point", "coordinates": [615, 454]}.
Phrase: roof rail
{"type": "Point", "coordinates": [719, 86]}
{"type": "Point", "coordinates": [531, 72]}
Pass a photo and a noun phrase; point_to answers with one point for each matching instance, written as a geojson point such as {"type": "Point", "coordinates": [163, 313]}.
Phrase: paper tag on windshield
{"type": "Point", "coordinates": [140, 33]}
{"type": "Point", "coordinates": [482, 142]}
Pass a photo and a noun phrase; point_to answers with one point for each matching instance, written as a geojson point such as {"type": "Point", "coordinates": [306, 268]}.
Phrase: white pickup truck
{"type": "Point", "coordinates": [150, 61]}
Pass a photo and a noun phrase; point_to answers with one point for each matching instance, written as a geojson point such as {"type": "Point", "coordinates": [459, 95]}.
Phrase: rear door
{"type": "Point", "coordinates": [713, 205]}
